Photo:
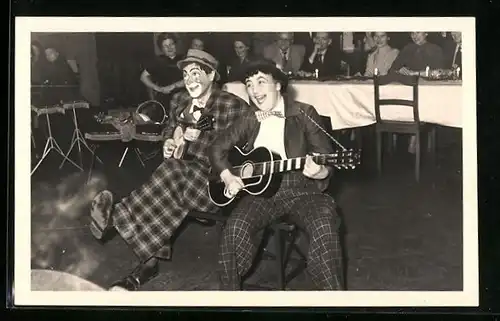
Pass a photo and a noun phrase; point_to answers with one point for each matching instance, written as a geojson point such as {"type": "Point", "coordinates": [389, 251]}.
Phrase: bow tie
{"type": "Point", "coordinates": [262, 115]}
{"type": "Point", "coordinates": [196, 108]}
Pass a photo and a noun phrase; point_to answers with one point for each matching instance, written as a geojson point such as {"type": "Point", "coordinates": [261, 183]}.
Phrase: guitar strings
{"type": "Point", "coordinates": [274, 162]}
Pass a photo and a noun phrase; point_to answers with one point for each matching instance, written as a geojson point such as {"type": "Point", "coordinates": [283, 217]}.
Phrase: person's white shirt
{"type": "Point", "coordinates": [272, 131]}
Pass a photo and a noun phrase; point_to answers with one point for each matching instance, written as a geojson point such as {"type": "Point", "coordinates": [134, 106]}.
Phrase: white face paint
{"type": "Point", "coordinates": [196, 80]}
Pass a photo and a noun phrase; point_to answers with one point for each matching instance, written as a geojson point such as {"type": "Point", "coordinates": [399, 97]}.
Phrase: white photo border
{"type": "Point", "coordinates": [24, 26]}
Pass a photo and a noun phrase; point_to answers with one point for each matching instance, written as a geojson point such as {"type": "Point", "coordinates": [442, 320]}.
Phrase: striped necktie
{"type": "Point", "coordinates": [284, 58]}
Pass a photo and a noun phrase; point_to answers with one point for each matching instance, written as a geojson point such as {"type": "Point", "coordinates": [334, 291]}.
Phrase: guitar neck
{"type": "Point", "coordinates": [285, 165]}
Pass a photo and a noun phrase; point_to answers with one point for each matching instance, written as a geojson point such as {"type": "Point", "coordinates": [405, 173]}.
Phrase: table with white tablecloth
{"type": "Point", "coordinates": [352, 104]}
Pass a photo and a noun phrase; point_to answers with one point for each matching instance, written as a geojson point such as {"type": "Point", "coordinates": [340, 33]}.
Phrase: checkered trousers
{"type": "Point", "coordinates": [312, 210]}
{"type": "Point", "coordinates": [148, 217]}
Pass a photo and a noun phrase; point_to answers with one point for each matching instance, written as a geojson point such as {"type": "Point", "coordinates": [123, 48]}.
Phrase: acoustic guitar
{"type": "Point", "coordinates": [258, 169]}
{"type": "Point", "coordinates": [206, 122]}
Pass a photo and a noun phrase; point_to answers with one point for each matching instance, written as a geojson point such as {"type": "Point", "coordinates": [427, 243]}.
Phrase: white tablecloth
{"type": "Point", "coordinates": [352, 104]}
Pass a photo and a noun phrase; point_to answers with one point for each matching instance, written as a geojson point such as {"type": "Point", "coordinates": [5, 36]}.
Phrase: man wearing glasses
{"type": "Point", "coordinates": [285, 54]}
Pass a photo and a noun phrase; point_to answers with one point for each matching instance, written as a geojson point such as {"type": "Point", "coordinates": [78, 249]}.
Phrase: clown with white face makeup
{"type": "Point", "coordinates": [148, 217]}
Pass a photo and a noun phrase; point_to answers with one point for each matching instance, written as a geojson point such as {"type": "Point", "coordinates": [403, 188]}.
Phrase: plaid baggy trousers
{"type": "Point", "coordinates": [312, 210]}
{"type": "Point", "coordinates": [147, 218]}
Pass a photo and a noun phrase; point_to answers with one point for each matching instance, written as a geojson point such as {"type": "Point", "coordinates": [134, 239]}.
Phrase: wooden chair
{"type": "Point", "coordinates": [415, 127]}
{"type": "Point", "coordinates": [285, 245]}
{"type": "Point", "coordinates": [284, 235]}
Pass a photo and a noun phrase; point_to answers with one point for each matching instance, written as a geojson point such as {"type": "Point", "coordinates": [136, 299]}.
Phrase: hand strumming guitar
{"type": "Point", "coordinates": [233, 183]}
{"type": "Point", "coordinates": [191, 134]}
{"type": "Point", "coordinates": [168, 148]}
{"type": "Point", "coordinates": [313, 170]}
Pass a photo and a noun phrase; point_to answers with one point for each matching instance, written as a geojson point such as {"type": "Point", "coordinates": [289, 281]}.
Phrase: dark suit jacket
{"type": "Point", "coordinates": [302, 137]}
{"type": "Point", "coordinates": [306, 39]}
{"type": "Point", "coordinates": [330, 66]}
{"type": "Point", "coordinates": [224, 107]}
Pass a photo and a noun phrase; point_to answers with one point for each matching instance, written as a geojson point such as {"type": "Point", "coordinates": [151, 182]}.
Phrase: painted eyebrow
{"type": "Point", "coordinates": [193, 68]}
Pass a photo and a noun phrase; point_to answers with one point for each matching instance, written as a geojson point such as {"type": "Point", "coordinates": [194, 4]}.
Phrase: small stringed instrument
{"type": "Point", "coordinates": [258, 169]}
{"type": "Point", "coordinates": [206, 122]}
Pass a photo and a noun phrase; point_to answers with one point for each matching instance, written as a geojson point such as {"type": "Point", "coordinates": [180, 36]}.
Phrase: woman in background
{"type": "Point", "coordinates": [418, 55]}
{"type": "Point", "coordinates": [382, 55]}
{"type": "Point", "coordinates": [161, 75]}
{"type": "Point", "coordinates": [242, 44]}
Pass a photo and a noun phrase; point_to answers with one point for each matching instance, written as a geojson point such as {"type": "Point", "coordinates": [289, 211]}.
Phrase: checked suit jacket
{"type": "Point", "coordinates": [224, 107]}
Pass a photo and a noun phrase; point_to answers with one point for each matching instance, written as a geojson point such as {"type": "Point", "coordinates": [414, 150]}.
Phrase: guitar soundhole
{"type": "Point", "coordinates": [246, 170]}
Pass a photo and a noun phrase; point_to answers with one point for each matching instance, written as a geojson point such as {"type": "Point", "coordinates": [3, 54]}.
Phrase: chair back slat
{"type": "Point", "coordinates": [410, 81]}
{"type": "Point", "coordinates": [398, 102]}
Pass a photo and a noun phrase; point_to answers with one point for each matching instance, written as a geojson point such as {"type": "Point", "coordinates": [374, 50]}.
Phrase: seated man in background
{"type": "Point", "coordinates": [324, 57]}
{"type": "Point", "coordinates": [293, 132]}
{"type": "Point", "coordinates": [284, 53]}
{"type": "Point", "coordinates": [147, 218]}
{"type": "Point", "coordinates": [417, 56]}
{"type": "Point", "coordinates": [452, 51]}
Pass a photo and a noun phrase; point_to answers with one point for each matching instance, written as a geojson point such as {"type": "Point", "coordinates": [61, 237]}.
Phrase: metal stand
{"type": "Point", "coordinates": [78, 139]}
{"type": "Point", "coordinates": [137, 153]}
{"type": "Point", "coordinates": [50, 145]}
{"type": "Point", "coordinates": [33, 140]}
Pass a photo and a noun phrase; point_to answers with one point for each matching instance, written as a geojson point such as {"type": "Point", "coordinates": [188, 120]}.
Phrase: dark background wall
{"type": "Point", "coordinates": [80, 47]}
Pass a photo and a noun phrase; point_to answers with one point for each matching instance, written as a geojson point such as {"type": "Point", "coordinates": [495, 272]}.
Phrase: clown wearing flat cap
{"type": "Point", "coordinates": [148, 217]}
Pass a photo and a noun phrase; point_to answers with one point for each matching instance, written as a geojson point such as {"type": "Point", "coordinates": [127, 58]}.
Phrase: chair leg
{"type": "Point", "coordinates": [379, 152]}
{"type": "Point", "coordinates": [278, 243]}
{"type": "Point", "coordinates": [417, 157]}
{"type": "Point", "coordinates": [390, 143]}
{"type": "Point", "coordinates": [431, 146]}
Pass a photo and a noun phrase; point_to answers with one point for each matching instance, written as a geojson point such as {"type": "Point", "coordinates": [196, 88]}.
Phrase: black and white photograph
{"type": "Point", "coordinates": [214, 161]}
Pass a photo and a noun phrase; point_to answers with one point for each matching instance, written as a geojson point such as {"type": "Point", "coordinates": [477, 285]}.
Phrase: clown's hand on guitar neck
{"type": "Point", "coordinates": [233, 183]}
